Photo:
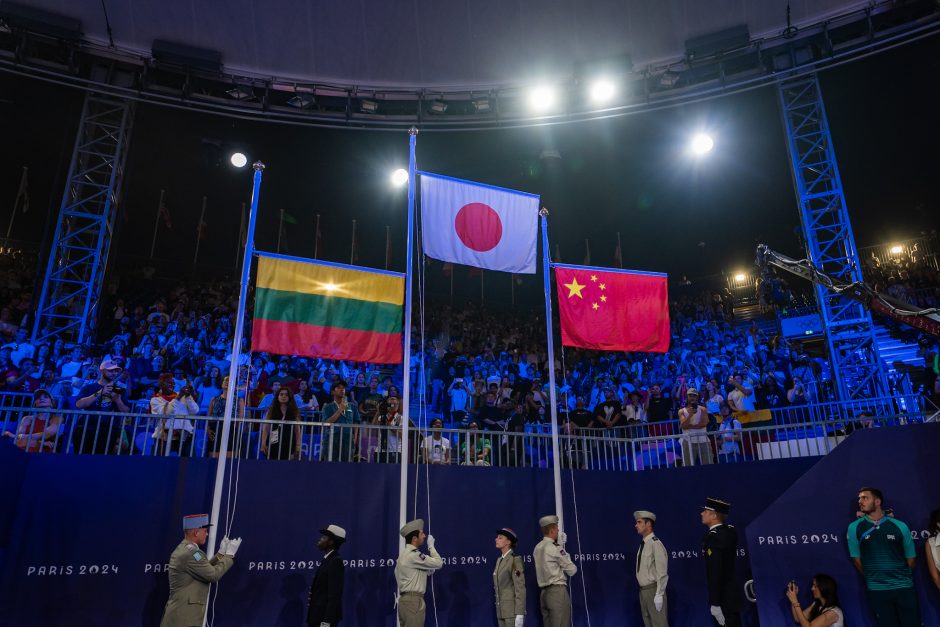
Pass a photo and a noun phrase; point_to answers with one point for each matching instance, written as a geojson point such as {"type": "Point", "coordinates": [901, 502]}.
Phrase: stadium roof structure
{"type": "Point", "coordinates": [439, 64]}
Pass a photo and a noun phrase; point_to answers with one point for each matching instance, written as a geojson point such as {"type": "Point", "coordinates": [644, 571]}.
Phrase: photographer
{"type": "Point", "coordinates": [824, 611]}
{"type": "Point", "coordinates": [101, 434]}
{"type": "Point", "coordinates": [693, 420]}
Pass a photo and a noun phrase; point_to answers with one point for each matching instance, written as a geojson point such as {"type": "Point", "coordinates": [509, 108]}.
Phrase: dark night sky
{"type": "Point", "coordinates": [627, 175]}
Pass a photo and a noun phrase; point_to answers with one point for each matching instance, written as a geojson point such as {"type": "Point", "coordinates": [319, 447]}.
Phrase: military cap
{"type": "Point", "coordinates": [414, 525]}
{"type": "Point", "coordinates": [335, 531]}
{"type": "Point", "coordinates": [545, 521]}
{"type": "Point", "coordinates": [717, 505]}
{"type": "Point", "coordinates": [508, 533]}
{"type": "Point", "coordinates": [195, 521]}
{"type": "Point", "coordinates": [637, 515]}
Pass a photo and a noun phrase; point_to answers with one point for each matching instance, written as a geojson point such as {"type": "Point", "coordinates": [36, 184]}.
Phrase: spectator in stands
{"type": "Point", "coordinates": [28, 379]}
{"type": "Point", "coordinates": [607, 414]}
{"type": "Point", "coordinates": [100, 434]}
{"type": "Point", "coordinates": [932, 548]}
{"type": "Point", "coordinates": [208, 386]}
{"type": "Point", "coordinates": [866, 420]}
{"type": "Point", "coordinates": [713, 397]}
{"type": "Point", "coordinates": [38, 432]}
{"type": "Point", "coordinates": [8, 372]}
{"type": "Point", "coordinates": [20, 347]}
{"type": "Point", "coordinates": [479, 450]}
{"type": "Point", "coordinates": [336, 443]}
{"type": "Point", "coordinates": [283, 375]}
{"type": "Point", "coordinates": [459, 400]}
{"type": "Point", "coordinates": [693, 421]}
{"type": "Point", "coordinates": [359, 389]}
{"type": "Point", "coordinates": [729, 434]}
{"type": "Point", "coordinates": [279, 438]}
{"type": "Point", "coordinates": [173, 427]}
{"type": "Point", "coordinates": [369, 401]}
{"type": "Point", "coordinates": [633, 410]}
{"type": "Point", "coordinates": [305, 398]}
{"type": "Point", "coordinates": [152, 376]}
{"type": "Point", "coordinates": [214, 428]}
{"type": "Point", "coordinates": [658, 410]}
{"type": "Point", "coordinates": [741, 397]}
{"type": "Point", "coordinates": [268, 399]}
{"type": "Point", "coordinates": [436, 447]}
{"type": "Point", "coordinates": [771, 395]}
{"type": "Point", "coordinates": [824, 611]}
{"type": "Point", "coordinates": [72, 367]}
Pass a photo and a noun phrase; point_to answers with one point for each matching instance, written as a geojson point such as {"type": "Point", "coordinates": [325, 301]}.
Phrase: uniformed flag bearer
{"type": "Point", "coordinates": [509, 581]}
{"type": "Point", "coordinates": [553, 566]}
{"type": "Point", "coordinates": [191, 572]}
{"type": "Point", "coordinates": [720, 546]}
{"type": "Point", "coordinates": [652, 565]}
{"type": "Point", "coordinates": [411, 573]}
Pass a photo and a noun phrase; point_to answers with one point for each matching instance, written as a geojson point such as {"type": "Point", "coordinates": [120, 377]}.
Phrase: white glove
{"type": "Point", "coordinates": [233, 545]}
{"type": "Point", "coordinates": [430, 542]}
{"type": "Point", "coordinates": [223, 546]}
{"type": "Point", "coordinates": [324, 625]}
{"type": "Point", "coordinates": [520, 620]}
{"type": "Point", "coordinates": [562, 538]}
{"type": "Point", "coordinates": [658, 602]}
{"type": "Point", "coordinates": [718, 614]}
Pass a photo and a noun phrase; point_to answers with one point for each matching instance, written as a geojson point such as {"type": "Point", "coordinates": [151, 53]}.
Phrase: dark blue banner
{"type": "Point", "coordinates": [803, 532]}
{"type": "Point", "coordinates": [92, 536]}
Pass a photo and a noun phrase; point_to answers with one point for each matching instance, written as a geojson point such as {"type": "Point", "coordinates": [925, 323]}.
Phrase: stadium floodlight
{"type": "Point", "coordinates": [602, 90]}
{"type": "Point", "coordinates": [702, 144]}
{"type": "Point", "coordinates": [542, 98]}
{"type": "Point", "coordinates": [740, 277]}
{"type": "Point", "coordinates": [238, 159]}
{"type": "Point", "coordinates": [399, 177]}
{"type": "Point", "coordinates": [897, 249]}
{"type": "Point", "coordinates": [301, 101]}
{"type": "Point", "coordinates": [368, 106]}
{"type": "Point", "coordinates": [481, 105]}
{"type": "Point", "coordinates": [438, 106]}
{"type": "Point", "coordinates": [240, 92]}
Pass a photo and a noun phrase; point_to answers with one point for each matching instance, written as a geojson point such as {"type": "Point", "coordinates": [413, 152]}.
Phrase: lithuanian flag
{"type": "Point", "coordinates": [324, 310]}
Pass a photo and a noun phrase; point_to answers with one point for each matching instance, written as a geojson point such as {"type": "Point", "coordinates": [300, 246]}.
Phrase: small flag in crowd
{"type": "Point", "coordinates": [330, 311]}
{"type": "Point", "coordinates": [479, 225]}
{"type": "Point", "coordinates": [613, 311]}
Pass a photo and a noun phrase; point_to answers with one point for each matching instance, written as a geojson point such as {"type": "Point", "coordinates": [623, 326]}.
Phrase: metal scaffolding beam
{"type": "Point", "coordinates": [856, 366]}
{"type": "Point", "coordinates": [68, 305]}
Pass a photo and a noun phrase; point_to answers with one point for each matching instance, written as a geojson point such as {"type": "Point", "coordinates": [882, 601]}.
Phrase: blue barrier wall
{"type": "Point", "coordinates": [803, 531]}
{"type": "Point", "coordinates": [92, 535]}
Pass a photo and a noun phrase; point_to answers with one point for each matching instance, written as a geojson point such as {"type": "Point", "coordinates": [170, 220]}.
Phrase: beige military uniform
{"type": "Point", "coordinates": [411, 573]}
{"type": "Point", "coordinates": [190, 573]}
{"type": "Point", "coordinates": [553, 566]}
{"type": "Point", "coordinates": [652, 576]}
{"type": "Point", "coordinates": [509, 585]}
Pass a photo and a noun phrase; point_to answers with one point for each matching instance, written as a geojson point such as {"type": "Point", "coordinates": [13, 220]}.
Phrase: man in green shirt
{"type": "Point", "coordinates": [882, 550]}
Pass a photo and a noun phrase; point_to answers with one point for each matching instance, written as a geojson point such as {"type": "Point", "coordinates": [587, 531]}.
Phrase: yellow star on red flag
{"type": "Point", "coordinates": [574, 288]}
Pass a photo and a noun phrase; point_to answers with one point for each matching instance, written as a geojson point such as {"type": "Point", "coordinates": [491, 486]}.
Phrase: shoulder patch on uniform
{"type": "Point", "coordinates": [197, 555]}
{"type": "Point", "coordinates": [192, 547]}
{"type": "Point", "coordinates": [730, 526]}
{"type": "Point", "coordinates": [655, 539]}
{"type": "Point", "coordinates": [518, 573]}
{"type": "Point", "coordinates": [422, 556]}
{"type": "Point", "coordinates": [562, 552]}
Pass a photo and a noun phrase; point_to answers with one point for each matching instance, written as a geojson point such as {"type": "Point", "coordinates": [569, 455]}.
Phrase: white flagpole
{"type": "Point", "coordinates": [547, 278]}
{"type": "Point", "coordinates": [406, 359]}
{"type": "Point", "coordinates": [16, 203]}
{"type": "Point", "coordinates": [280, 230]}
{"type": "Point", "coordinates": [239, 330]}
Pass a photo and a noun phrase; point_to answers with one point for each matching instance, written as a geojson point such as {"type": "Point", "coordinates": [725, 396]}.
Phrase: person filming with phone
{"type": "Point", "coordinates": [824, 610]}
{"type": "Point", "coordinates": [336, 442]}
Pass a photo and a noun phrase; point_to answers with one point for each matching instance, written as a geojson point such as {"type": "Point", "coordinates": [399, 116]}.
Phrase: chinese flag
{"type": "Point", "coordinates": [613, 310]}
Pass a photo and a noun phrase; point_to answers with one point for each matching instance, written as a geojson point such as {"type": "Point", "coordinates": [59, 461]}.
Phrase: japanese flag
{"type": "Point", "coordinates": [478, 225]}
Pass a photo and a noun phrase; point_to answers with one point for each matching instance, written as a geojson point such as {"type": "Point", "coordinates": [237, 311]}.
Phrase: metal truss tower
{"type": "Point", "coordinates": [68, 306]}
{"type": "Point", "coordinates": [856, 366]}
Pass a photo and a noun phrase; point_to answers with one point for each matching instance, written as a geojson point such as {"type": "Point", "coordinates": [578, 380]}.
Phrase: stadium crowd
{"type": "Point", "coordinates": [483, 368]}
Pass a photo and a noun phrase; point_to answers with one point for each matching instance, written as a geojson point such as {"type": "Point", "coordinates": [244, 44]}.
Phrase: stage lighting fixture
{"type": "Point", "coordinates": [368, 106]}
{"type": "Point", "coordinates": [897, 250]}
{"type": "Point", "coordinates": [399, 177]}
{"type": "Point", "coordinates": [438, 106]}
{"type": "Point", "coordinates": [602, 90]}
{"type": "Point", "coordinates": [241, 93]}
{"type": "Point", "coordinates": [740, 278]}
{"type": "Point", "coordinates": [542, 98]}
{"type": "Point", "coordinates": [702, 144]}
{"type": "Point", "coordinates": [301, 101]}
{"type": "Point", "coordinates": [481, 105]}
{"type": "Point", "coordinates": [238, 159]}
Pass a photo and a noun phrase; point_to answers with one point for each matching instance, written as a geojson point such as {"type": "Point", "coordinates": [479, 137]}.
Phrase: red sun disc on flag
{"type": "Point", "coordinates": [478, 226]}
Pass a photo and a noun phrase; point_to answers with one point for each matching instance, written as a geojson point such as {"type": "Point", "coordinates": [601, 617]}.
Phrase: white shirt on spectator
{"type": "Point", "coordinates": [437, 450]}
{"type": "Point", "coordinates": [176, 407]}
{"type": "Point", "coordinates": [19, 351]}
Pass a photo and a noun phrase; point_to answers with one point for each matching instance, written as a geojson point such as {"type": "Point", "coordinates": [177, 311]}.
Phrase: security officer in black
{"type": "Point", "coordinates": [720, 546]}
